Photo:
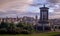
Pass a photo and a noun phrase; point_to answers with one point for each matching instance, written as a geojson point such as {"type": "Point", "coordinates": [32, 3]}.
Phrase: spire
{"type": "Point", "coordinates": [17, 18]}
{"type": "Point", "coordinates": [6, 18]}
{"type": "Point", "coordinates": [44, 5]}
{"type": "Point", "coordinates": [36, 17]}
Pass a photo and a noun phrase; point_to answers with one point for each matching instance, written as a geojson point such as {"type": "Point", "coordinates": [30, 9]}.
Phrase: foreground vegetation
{"type": "Point", "coordinates": [12, 28]}
{"type": "Point", "coordinates": [19, 28]}
{"type": "Point", "coordinates": [23, 29]}
{"type": "Point", "coordinates": [35, 34]}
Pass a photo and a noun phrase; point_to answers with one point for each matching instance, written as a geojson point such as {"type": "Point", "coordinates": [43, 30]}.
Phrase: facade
{"type": "Point", "coordinates": [25, 19]}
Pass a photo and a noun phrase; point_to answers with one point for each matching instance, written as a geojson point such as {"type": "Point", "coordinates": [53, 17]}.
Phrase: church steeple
{"type": "Point", "coordinates": [36, 17]}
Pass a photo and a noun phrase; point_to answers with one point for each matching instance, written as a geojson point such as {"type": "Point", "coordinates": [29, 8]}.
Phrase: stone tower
{"type": "Point", "coordinates": [44, 15]}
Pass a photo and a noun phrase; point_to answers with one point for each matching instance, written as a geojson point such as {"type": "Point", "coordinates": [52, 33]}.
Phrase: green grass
{"type": "Point", "coordinates": [35, 34]}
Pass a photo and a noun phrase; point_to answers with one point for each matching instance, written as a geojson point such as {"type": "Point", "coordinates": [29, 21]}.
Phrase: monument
{"type": "Point", "coordinates": [43, 16]}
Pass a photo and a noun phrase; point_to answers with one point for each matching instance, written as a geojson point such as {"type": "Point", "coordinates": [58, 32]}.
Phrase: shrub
{"type": "Point", "coordinates": [4, 25]}
{"type": "Point", "coordinates": [25, 32]}
{"type": "Point", "coordinates": [17, 30]}
{"type": "Point", "coordinates": [3, 31]}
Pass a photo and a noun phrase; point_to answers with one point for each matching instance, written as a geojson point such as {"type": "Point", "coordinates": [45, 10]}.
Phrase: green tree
{"type": "Point", "coordinates": [11, 28]}
{"type": "Point", "coordinates": [21, 25]}
{"type": "Point", "coordinates": [4, 25]}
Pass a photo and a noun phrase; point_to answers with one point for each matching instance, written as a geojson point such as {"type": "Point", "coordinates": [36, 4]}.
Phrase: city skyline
{"type": "Point", "coordinates": [13, 8]}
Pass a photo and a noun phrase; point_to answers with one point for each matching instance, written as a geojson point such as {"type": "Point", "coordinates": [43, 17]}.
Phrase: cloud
{"type": "Point", "coordinates": [20, 5]}
{"type": "Point", "coordinates": [54, 1]}
{"type": "Point", "coordinates": [54, 15]}
{"type": "Point", "coordinates": [14, 8]}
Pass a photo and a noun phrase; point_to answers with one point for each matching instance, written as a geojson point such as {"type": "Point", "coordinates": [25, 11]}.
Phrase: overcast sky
{"type": "Point", "coordinates": [13, 8]}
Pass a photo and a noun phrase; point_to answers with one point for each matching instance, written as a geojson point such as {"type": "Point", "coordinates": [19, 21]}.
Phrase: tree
{"type": "Point", "coordinates": [11, 28]}
{"type": "Point", "coordinates": [20, 25]}
{"type": "Point", "coordinates": [4, 25]}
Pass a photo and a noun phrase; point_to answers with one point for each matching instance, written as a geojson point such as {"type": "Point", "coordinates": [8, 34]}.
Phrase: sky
{"type": "Point", "coordinates": [14, 8]}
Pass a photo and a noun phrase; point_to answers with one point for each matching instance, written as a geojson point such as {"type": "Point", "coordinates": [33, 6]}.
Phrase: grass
{"type": "Point", "coordinates": [34, 34]}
